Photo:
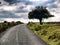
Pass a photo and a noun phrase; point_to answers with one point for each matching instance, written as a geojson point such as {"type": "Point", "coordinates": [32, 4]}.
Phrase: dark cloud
{"type": "Point", "coordinates": [21, 10]}
{"type": "Point", "coordinates": [25, 16]}
{"type": "Point", "coordinates": [52, 6]}
{"type": "Point", "coordinates": [51, 1]}
{"type": "Point", "coordinates": [48, 2]}
{"type": "Point", "coordinates": [27, 2]}
{"type": "Point", "coordinates": [18, 1]}
{"type": "Point", "coordinates": [0, 2]}
{"type": "Point", "coordinates": [11, 1]}
{"type": "Point", "coordinates": [8, 14]}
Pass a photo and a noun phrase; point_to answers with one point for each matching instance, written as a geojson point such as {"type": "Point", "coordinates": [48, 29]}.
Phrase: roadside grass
{"type": "Point", "coordinates": [4, 25]}
{"type": "Point", "coordinates": [50, 33]}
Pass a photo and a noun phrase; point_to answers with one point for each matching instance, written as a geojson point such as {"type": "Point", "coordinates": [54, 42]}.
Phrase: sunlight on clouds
{"type": "Point", "coordinates": [30, 7]}
{"type": "Point", "coordinates": [39, 0]}
{"type": "Point", "coordinates": [19, 19]}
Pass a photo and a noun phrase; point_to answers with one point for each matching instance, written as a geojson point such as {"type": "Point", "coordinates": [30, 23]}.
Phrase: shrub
{"type": "Point", "coordinates": [5, 21]}
{"type": "Point", "coordinates": [18, 22]}
{"type": "Point", "coordinates": [54, 36]}
{"type": "Point", "coordinates": [38, 28]}
{"type": "Point", "coordinates": [58, 43]}
{"type": "Point", "coordinates": [44, 32]}
{"type": "Point", "coordinates": [5, 25]}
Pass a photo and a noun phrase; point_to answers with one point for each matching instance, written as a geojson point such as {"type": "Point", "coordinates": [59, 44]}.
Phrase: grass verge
{"type": "Point", "coordinates": [50, 33]}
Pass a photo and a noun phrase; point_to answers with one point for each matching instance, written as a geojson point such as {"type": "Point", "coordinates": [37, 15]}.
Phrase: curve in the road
{"type": "Point", "coordinates": [20, 35]}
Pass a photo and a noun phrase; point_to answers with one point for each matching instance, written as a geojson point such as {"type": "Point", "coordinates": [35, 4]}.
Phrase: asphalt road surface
{"type": "Point", "coordinates": [20, 35]}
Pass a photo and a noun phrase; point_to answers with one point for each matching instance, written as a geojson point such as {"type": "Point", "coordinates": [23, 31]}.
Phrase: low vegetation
{"type": "Point", "coordinates": [49, 32]}
{"type": "Point", "coordinates": [4, 25]}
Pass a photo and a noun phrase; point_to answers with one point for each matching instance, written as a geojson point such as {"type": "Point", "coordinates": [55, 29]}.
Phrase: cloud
{"type": "Point", "coordinates": [8, 14]}
{"type": "Point", "coordinates": [15, 11]}
{"type": "Point", "coordinates": [8, 8]}
{"type": "Point", "coordinates": [18, 9]}
{"type": "Point", "coordinates": [54, 9]}
{"type": "Point", "coordinates": [27, 2]}
{"type": "Point", "coordinates": [30, 2]}
{"type": "Point", "coordinates": [11, 1]}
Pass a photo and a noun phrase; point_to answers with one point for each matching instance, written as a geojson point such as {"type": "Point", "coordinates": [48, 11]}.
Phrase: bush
{"type": "Point", "coordinates": [54, 36]}
{"type": "Point", "coordinates": [5, 21]}
{"type": "Point", "coordinates": [44, 32]}
{"type": "Point", "coordinates": [18, 22]}
{"type": "Point", "coordinates": [5, 25]}
{"type": "Point", "coordinates": [38, 28]}
{"type": "Point", "coordinates": [58, 43]}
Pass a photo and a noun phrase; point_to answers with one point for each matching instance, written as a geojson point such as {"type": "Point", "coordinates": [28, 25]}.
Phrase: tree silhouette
{"type": "Point", "coordinates": [5, 21]}
{"type": "Point", "coordinates": [39, 13]}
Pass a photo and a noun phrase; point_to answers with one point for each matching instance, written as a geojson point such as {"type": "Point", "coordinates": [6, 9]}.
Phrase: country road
{"type": "Point", "coordinates": [20, 35]}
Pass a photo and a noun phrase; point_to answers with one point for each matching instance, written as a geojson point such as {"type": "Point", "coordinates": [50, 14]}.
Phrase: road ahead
{"type": "Point", "coordinates": [20, 35]}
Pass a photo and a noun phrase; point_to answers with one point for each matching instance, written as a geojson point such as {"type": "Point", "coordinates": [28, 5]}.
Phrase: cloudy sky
{"type": "Point", "coordinates": [17, 10]}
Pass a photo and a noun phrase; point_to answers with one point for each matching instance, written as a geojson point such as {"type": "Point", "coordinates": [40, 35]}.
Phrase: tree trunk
{"type": "Point", "coordinates": [40, 21]}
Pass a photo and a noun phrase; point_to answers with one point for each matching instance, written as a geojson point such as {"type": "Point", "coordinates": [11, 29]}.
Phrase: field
{"type": "Point", "coordinates": [4, 25]}
{"type": "Point", "coordinates": [49, 32]}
